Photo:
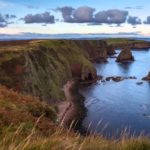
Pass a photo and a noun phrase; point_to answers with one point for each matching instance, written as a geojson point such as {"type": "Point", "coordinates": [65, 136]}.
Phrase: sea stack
{"type": "Point", "coordinates": [147, 78]}
{"type": "Point", "coordinates": [125, 55]}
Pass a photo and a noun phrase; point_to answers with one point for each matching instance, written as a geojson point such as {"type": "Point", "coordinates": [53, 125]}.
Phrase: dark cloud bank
{"type": "Point", "coordinates": [134, 20]}
{"type": "Point", "coordinates": [89, 15]}
{"type": "Point", "coordinates": [45, 17]}
{"type": "Point", "coordinates": [6, 19]}
{"type": "Point", "coordinates": [147, 20]}
{"type": "Point", "coordinates": [86, 15]}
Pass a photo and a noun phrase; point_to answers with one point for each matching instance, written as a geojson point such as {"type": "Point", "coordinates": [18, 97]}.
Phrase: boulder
{"type": "Point", "coordinates": [108, 78]}
{"type": "Point", "coordinates": [131, 77]}
{"type": "Point", "coordinates": [115, 78]}
{"type": "Point", "coordinates": [147, 78]}
{"type": "Point", "coordinates": [125, 55]}
{"type": "Point", "coordinates": [139, 83]}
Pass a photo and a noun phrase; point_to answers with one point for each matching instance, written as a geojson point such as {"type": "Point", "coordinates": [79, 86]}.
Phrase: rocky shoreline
{"type": "Point", "coordinates": [74, 110]}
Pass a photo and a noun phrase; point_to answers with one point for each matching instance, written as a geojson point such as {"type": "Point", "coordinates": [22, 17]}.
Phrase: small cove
{"type": "Point", "coordinates": [117, 106]}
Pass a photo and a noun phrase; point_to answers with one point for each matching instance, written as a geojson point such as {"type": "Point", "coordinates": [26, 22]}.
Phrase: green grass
{"type": "Point", "coordinates": [121, 40]}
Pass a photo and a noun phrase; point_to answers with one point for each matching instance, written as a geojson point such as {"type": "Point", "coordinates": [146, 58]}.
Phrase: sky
{"type": "Point", "coordinates": [115, 17]}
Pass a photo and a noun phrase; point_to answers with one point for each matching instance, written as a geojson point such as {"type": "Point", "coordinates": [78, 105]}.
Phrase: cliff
{"type": "Point", "coordinates": [120, 43]}
{"type": "Point", "coordinates": [41, 67]}
{"type": "Point", "coordinates": [76, 110]}
{"type": "Point", "coordinates": [96, 49]}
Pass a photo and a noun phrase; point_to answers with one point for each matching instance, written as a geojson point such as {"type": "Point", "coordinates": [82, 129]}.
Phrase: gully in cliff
{"type": "Point", "coordinates": [76, 110]}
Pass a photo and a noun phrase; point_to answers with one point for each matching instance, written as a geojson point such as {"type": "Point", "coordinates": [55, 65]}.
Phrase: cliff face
{"type": "Point", "coordinates": [76, 110]}
{"type": "Point", "coordinates": [42, 67]}
{"type": "Point", "coordinates": [110, 50]}
{"type": "Point", "coordinates": [136, 45]}
{"type": "Point", "coordinates": [96, 49]}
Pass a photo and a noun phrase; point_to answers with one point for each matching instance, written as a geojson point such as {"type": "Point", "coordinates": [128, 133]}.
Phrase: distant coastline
{"type": "Point", "coordinates": [32, 36]}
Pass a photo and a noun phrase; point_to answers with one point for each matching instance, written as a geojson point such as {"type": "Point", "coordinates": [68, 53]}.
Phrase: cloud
{"type": "Point", "coordinates": [83, 14]}
{"type": "Point", "coordinates": [45, 17]}
{"type": "Point", "coordinates": [112, 16]}
{"type": "Point", "coordinates": [86, 14]}
{"type": "Point", "coordinates": [32, 7]}
{"type": "Point", "coordinates": [134, 20]}
{"type": "Point", "coordinates": [66, 13]}
{"type": "Point", "coordinates": [147, 20]}
{"type": "Point", "coordinates": [94, 24]}
{"type": "Point", "coordinates": [137, 7]}
{"type": "Point", "coordinates": [6, 19]}
{"type": "Point", "coordinates": [8, 16]}
{"type": "Point", "coordinates": [80, 15]}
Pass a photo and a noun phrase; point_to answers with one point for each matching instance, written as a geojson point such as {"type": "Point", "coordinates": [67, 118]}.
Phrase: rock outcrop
{"type": "Point", "coordinates": [139, 83]}
{"type": "Point", "coordinates": [119, 78]}
{"type": "Point", "coordinates": [110, 50]}
{"type": "Point", "coordinates": [147, 78]}
{"type": "Point", "coordinates": [125, 55]}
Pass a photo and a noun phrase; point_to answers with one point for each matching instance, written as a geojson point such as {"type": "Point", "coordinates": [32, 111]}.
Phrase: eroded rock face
{"type": "Point", "coordinates": [133, 44]}
{"type": "Point", "coordinates": [76, 110]}
{"type": "Point", "coordinates": [125, 55]}
{"type": "Point", "coordinates": [96, 49]}
{"type": "Point", "coordinates": [141, 45]}
{"type": "Point", "coordinates": [147, 78]}
{"type": "Point", "coordinates": [110, 50]}
{"type": "Point", "coordinates": [83, 73]}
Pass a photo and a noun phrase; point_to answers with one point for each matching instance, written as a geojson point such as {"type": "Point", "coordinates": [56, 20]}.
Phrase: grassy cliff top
{"type": "Point", "coordinates": [31, 44]}
{"type": "Point", "coordinates": [122, 41]}
{"type": "Point", "coordinates": [23, 45]}
{"type": "Point", "coordinates": [18, 45]}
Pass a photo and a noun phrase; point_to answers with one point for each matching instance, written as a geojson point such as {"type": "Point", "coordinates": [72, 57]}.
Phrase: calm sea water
{"type": "Point", "coordinates": [116, 106]}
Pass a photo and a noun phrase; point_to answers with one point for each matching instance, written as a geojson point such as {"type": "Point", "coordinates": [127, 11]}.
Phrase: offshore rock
{"type": "Point", "coordinates": [147, 78]}
{"type": "Point", "coordinates": [125, 55]}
